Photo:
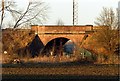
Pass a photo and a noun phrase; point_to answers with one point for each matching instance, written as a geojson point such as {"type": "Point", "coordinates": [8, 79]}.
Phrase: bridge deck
{"type": "Point", "coordinates": [80, 32]}
{"type": "Point", "coordinates": [62, 29]}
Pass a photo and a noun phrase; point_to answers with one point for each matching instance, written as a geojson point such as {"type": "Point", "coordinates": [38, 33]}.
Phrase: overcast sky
{"type": "Point", "coordinates": [88, 10]}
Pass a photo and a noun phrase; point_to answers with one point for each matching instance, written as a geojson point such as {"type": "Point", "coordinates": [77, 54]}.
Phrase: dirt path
{"type": "Point", "coordinates": [82, 70]}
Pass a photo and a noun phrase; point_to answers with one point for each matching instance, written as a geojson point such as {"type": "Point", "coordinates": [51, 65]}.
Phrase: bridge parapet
{"type": "Point", "coordinates": [61, 29]}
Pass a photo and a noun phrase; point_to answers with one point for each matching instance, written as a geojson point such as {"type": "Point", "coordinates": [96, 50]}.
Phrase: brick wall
{"type": "Point", "coordinates": [61, 29]}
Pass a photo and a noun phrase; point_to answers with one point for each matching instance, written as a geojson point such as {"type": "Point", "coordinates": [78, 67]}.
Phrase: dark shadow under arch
{"type": "Point", "coordinates": [35, 46]}
{"type": "Point", "coordinates": [55, 45]}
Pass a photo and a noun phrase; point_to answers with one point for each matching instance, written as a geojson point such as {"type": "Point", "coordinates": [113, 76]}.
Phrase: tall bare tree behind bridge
{"type": "Point", "coordinates": [107, 35]}
{"type": "Point", "coordinates": [34, 13]}
{"type": "Point", "coordinates": [59, 22]}
{"type": "Point", "coordinates": [108, 18]}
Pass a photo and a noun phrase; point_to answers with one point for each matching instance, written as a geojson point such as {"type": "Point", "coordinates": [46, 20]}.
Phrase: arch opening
{"type": "Point", "coordinates": [58, 46]}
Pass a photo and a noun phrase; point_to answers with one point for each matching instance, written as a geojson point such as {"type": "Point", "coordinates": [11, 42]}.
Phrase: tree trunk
{"type": "Point", "coordinates": [2, 13]}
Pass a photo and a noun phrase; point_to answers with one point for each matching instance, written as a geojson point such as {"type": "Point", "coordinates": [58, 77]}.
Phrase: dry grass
{"type": "Point", "coordinates": [51, 59]}
{"type": "Point", "coordinates": [8, 58]}
{"type": "Point", "coordinates": [111, 60]}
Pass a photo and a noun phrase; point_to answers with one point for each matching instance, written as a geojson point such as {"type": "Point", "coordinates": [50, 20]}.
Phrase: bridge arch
{"type": "Point", "coordinates": [57, 39]}
{"type": "Point", "coordinates": [76, 38]}
{"type": "Point", "coordinates": [55, 45]}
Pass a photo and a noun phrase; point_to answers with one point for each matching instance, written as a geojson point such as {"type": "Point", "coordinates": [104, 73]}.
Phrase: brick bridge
{"type": "Point", "coordinates": [75, 33]}
{"type": "Point", "coordinates": [56, 36]}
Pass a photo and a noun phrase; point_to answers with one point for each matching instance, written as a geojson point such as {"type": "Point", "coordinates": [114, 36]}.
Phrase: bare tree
{"type": "Point", "coordinates": [107, 18]}
{"type": "Point", "coordinates": [60, 22]}
{"type": "Point", "coordinates": [35, 13]}
{"type": "Point", "coordinates": [2, 15]}
{"type": "Point", "coordinates": [107, 36]}
{"type": "Point", "coordinates": [6, 9]}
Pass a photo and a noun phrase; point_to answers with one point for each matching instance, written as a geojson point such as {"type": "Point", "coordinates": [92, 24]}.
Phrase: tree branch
{"type": "Point", "coordinates": [21, 17]}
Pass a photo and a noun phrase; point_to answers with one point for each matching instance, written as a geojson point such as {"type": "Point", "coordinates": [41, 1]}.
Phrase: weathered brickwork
{"type": "Point", "coordinates": [74, 33]}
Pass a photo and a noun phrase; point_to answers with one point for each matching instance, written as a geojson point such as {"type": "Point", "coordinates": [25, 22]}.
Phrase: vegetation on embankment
{"type": "Point", "coordinates": [16, 42]}
{"type": "Point", "coordinates": [14, 39]}
{"type": "Point", "coordinates": [104, 42]}
{"type": "Point", "coordinates": [103, 55]}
